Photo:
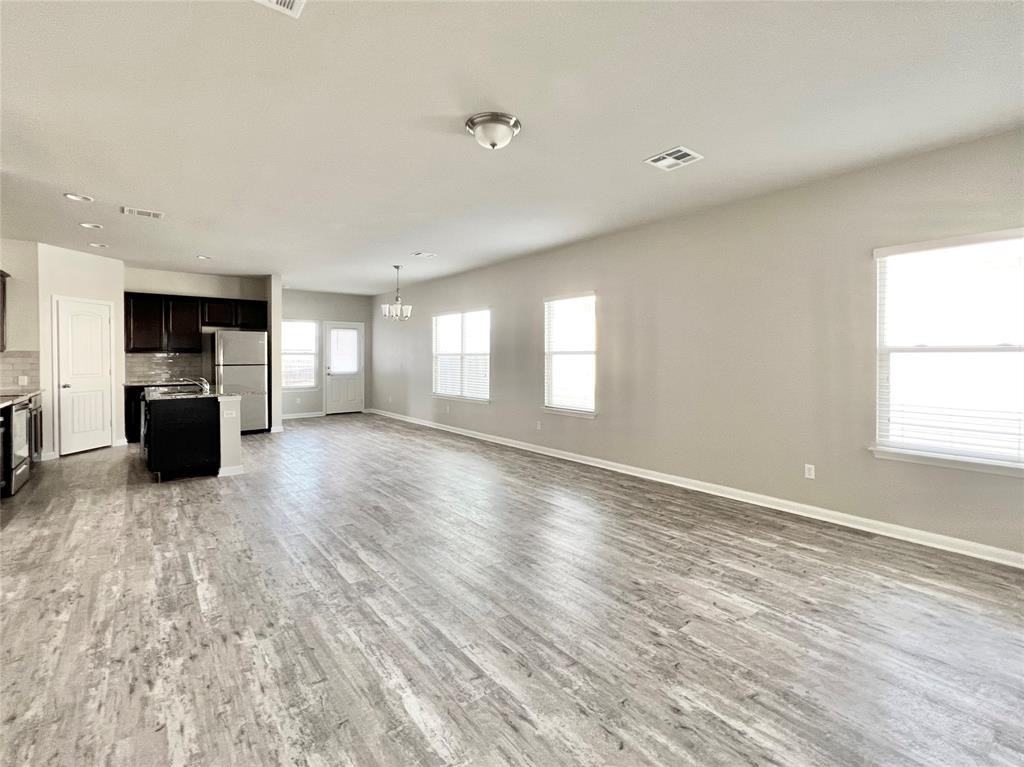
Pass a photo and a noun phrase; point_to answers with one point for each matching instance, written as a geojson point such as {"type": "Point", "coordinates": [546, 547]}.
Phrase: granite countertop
{"type": "Point", "coordinates": [155, 394]}
{"type": "Point", "coordinates": [170, 382]}
{"type": "Point", "coordinates": [15, 394]}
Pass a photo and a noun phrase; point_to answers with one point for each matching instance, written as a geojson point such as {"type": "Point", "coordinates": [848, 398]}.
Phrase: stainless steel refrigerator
{"type": "Point", "coordinates": [240, 367]}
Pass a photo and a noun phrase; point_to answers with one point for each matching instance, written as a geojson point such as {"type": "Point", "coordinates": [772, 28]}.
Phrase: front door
{"type": "Point", "coordinates": [343, 371]}
{"type": "Point", "coordinates": [83, 375]}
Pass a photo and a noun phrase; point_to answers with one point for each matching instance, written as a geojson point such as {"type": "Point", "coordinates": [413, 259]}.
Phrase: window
{"type": "Point", "coordinates": [343, 354]}
{"type": "Point", "coordinates": [298, 354]}
{"type": "Point", "coordinates": [570, 354]}
{"type": "Point", "coordinates": [462, 355]}
{"type": "Point", "coordinates": [951, 350]}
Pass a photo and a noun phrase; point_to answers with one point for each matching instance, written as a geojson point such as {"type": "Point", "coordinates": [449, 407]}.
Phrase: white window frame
{"type": "Point", "coordinates": [462, 355]}
{"type": "Point", "coordinates": [892, 451]}
{"type": "Point", "coordinates": [555, 409]}
{"type": "Point", "coordinates": [317, 351]}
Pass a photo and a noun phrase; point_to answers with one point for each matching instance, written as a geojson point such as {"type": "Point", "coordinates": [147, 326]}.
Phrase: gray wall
{"type": "Point", "coordinates": [194, 284]}
{"type": "Point", "coordinates": [737, 343]}
{"type": "Point", "coordinates": [20, 260]}
{"type": "Point", "coordinates": [327, 307]}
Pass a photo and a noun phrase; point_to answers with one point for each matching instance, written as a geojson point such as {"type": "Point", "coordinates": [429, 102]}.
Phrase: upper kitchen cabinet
{"type": "Point", "coordinates": [143, 322]}
{"type": "Point", "coordinates": [252, 315]}
{"type": "Point", "coordinates": [156, 323]}
{"type": "Point", "coordinates": [183, 326]}
{"type": "Point", "coordinates": [220, 312]}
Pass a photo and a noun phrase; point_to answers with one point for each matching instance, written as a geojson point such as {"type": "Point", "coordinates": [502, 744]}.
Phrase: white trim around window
{"type": "Point", "coordinates": [461, 356]}
{"type": "Point", "coordinates": [950, 364]}
{"type": "Point", "coordinates": [302, 351]}
{"type": "Point", "coordinates": [570, 355]}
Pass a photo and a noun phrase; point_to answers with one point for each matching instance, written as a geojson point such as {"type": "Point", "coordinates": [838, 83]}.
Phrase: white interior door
{"type": "Point", "coordinates": [83, 375]}
{"type": "Point", "coordinates": [343, 367]}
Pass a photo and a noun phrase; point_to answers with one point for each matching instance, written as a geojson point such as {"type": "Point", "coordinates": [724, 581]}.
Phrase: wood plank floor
{"type": "Point", "coordinates": [375, 593]}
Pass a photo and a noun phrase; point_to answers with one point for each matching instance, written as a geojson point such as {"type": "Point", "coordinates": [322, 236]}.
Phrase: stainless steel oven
{"type": "Point", "coordinates": [16, 453]}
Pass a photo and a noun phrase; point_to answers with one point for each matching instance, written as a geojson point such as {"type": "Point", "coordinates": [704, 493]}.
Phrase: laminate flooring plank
{"type": "Point", "coordinates": [376, 594]}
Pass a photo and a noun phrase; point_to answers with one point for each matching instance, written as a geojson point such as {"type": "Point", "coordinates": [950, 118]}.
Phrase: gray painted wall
{"type": "Point", "coordinates": [327, 307]}
{"type": "Point", "coordinates": [20, 260]}
{"type": "Point", "coordinates": [735, 344]}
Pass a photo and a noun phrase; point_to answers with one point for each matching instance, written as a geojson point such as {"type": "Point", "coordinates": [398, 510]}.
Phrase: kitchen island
{"type": "Point", "coordinates": [189, 434]}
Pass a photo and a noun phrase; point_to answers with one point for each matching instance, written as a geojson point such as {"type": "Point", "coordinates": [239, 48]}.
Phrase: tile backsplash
{"type": "Point", "coordinates": [15, 364]}
{"type": "Point", "coordinates": [161, 366]}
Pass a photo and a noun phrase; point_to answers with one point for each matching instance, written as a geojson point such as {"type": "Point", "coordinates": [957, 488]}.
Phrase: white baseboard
{"type": "Point", "coordinates": [276, 429]}
{"type": "Point", "coordinates": [933, 540]}
{"type": "Point", "coordinates": [121, 442]}
{"type": "Point", "coordinates": [289, 416]}
{"type": "Point", "coordinates": [230, 471]}
{"type": "Point", "coordinates": [51, 456]}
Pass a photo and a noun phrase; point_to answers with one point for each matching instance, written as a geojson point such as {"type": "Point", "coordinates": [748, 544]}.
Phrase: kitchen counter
{"type": "Point", "coordinates": [190, 434]}
{"type": "Point", "coordinates": [168, 382]}
{"type": "Point", "coordinates": [153, 394]}
{"type": "Point", "coordinates": [12, 396]}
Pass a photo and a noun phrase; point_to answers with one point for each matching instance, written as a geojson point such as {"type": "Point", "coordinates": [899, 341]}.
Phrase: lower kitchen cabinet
{"type": "Point", "coordinates": [182, 437]}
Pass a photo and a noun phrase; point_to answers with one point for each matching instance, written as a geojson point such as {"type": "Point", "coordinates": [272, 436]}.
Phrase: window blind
{"type": "Point", "coordinates": [344, 351]}
{"type": "Point", "coordinates": [462, 355]}
{"type": "Point", "coordinates": [951, 351]}
{"type": "Point", "coordinates": [570, 353]}
{"type": "Point", "coordinates": [298, 354]}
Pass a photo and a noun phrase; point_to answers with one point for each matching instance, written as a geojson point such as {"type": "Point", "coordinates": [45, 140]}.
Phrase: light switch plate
{"type": "Point", "coordinates": [22, 380]}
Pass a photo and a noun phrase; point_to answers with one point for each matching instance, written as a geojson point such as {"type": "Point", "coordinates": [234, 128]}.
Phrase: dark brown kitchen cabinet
{"type": "Point", "coordinates": [252, 315]}
{"type": "Point", "coordinates": [220, 312]}
{"type": "Point", "coordinates": [183, 333]}
{"type": "Point", "coordinates": [143, 322]}
{"type": "Point", "coordinates": [158, 323]}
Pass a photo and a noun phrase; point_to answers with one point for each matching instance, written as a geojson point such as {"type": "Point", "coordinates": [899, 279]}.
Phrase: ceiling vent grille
{"type": "Point", "coordinates": [673, 159]}
{"type": "Point", "coordinates": [291, 8]}
{"type": "Point", "coordinates": [157, 214]}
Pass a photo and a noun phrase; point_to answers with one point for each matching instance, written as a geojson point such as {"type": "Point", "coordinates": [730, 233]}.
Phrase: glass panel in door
{"type": "Point", "coordinates": [343, 351]}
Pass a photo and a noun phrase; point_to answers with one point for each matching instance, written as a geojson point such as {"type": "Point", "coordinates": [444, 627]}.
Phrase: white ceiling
{"type": "Point", "coordinates": [328, 148]}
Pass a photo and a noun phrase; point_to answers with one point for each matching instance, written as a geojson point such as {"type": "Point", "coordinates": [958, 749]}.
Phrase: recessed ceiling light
{"type": "Point", "coordinates": [203, 258]}
{"type": "Point", "coordinates": [92, 226]}
{"type": "Point", "coordinates": [78, 197]}
{"type": "Point", "coordinates": [98, 245]}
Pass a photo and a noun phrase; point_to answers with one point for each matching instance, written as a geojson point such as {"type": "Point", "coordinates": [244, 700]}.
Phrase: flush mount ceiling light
{"type": "Point", "coordinates": [423, 254]}
{"type": "Point", "coordinates": [92, 226]}
{"type": "Point", "coordinates": [493, 130]}
{"type": "Point", "coordinates": [98, 245]}
{"type": "Point", "coordinates": [397, 310]}
{"type": "Point", "coordinates": [203, 258]}
{"type": "Point", "coordinates": [78, 197]}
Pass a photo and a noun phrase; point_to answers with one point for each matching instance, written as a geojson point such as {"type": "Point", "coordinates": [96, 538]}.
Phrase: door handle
{"type": "Point", "coordinates": [65, 386]}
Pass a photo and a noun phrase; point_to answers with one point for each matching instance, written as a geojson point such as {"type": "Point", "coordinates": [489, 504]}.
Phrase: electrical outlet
{"type": "Point", "coordinates": [298, 400]}
{"type": "Point", "coordinates": [22, 380]}
{"type": "Point", "coordinates": [447, 408]}
{"type": "Point", "coordinates": [808, 471]}
{"type": "Point", "coordinates": [389, 399]}
{"type": "Point", "coordinates": [538, 425]}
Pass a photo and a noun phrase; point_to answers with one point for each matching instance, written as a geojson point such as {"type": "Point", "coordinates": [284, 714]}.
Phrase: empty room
{"type": "Point", "coordinates": [457, 384]}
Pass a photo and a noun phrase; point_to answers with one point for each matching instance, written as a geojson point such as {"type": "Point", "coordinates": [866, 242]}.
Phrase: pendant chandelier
{"type": "Point", "coordinates": [397, 310]}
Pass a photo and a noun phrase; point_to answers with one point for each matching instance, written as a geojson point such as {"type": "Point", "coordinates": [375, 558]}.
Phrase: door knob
{"type": "Point", "coordinates": [65, 386]}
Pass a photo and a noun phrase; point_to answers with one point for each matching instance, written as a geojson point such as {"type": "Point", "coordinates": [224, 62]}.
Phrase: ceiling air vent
{"type": "Point", "coordinates": [158, 214]}
{"type": "Point", "coordinates": [673, 159]}
{"type": "Point", "coordinates": [291, 8]}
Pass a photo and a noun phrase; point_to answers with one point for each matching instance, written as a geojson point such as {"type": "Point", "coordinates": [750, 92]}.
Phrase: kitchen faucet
{"type": "Point", "coordinates": [201, 382]}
